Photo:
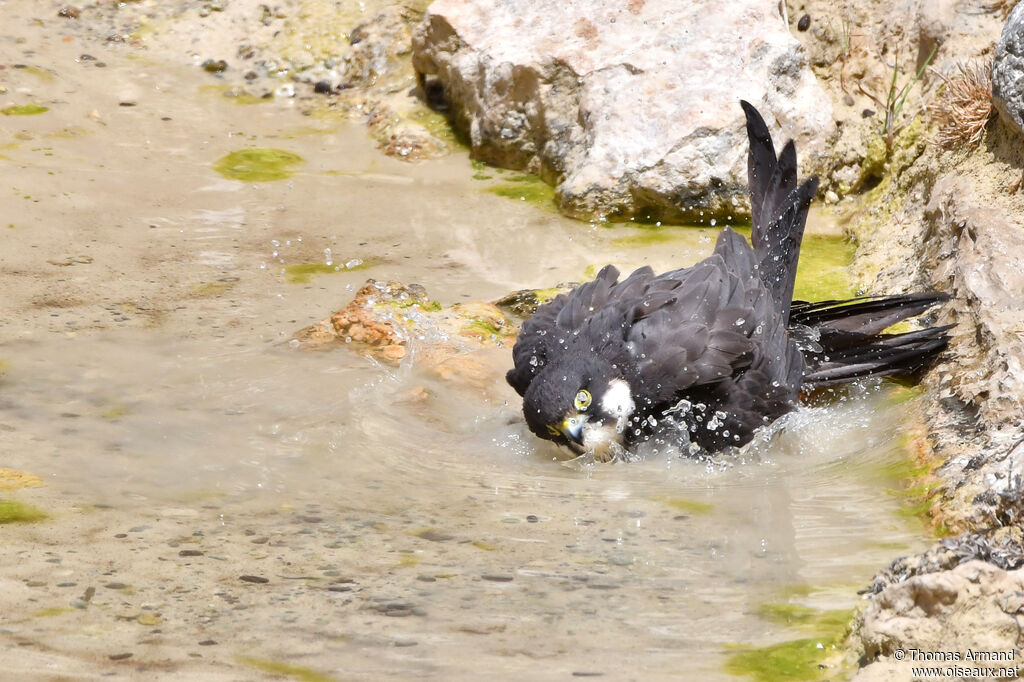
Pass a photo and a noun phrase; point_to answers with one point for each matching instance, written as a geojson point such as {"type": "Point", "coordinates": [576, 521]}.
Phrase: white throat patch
{"type": "Point", "coordinates": [617, 402]}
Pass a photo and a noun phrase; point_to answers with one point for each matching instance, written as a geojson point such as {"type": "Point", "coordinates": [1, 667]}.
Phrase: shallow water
{"type": "Point", "coordinates": [407, 526]}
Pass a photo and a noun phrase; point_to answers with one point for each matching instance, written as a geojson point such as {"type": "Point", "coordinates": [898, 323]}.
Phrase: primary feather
{"type": "Point", "coordinates": [718, 348]}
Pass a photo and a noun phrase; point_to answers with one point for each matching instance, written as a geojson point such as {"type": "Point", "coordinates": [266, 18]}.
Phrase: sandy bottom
{"type": "Point", "coordinates": [222, 506]}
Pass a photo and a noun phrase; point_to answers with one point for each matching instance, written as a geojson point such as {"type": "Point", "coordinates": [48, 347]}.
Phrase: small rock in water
{"type": "Point", "coordinates": [322, 88]}
{"type": "Point", "coordinates": [190, 552]}
{"type": "Point", "coordinates": [120, 657]}
{"type": "Point", "coordinates": [258, 579]}
{"type": "Point", "coordinates": [804, 23]}
{"type": "Point", "coordinates": [214, 65]}
{"type": "Point", "coordinates": [867, 113]}
{"type": "Point", "coordinates": [495, 578]}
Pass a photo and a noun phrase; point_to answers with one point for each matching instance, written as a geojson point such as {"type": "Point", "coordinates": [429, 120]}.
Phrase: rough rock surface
{"type": "Point", "coordinates": [1008, 70]}
{"type": "Point", "coordinates": [391, 321]}
{"type": "Point", "coordinates": [337, 59]}
{"type": "Point", "coordinates": [615, 103]}
{"type": "Point", "coordinates": [973, 607]}
{"type": "Point", "coordinates": [855, 45]}
{"type": "Point", "coordinates": [953, 225]}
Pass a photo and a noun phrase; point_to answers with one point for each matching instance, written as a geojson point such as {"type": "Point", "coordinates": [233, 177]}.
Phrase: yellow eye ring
{"type": "Point", "coordinates": [583, 399]}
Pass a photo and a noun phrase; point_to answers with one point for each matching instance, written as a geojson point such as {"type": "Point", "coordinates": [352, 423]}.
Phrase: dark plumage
{"type": "Point", "coordinates": [713, 351]}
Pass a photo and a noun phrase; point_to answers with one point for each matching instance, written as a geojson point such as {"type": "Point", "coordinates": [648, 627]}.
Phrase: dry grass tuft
{"type": "Point", "coordinates": [964, 107]}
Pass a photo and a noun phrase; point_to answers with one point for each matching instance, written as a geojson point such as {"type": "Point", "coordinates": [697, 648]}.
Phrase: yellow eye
{"type": "Point", "coordinates": [583, 399]}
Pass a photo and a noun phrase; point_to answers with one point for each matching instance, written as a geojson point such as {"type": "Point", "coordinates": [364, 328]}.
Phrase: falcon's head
{"type": "Point", "coordinates": [582, 403]}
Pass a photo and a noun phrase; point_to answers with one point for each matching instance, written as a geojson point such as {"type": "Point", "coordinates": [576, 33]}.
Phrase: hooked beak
{"type": "Point", "coordinates": [572, 428]}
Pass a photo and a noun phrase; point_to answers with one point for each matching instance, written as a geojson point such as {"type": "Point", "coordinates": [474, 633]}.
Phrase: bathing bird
{"type": "Point", "coordinates": [705, 355]}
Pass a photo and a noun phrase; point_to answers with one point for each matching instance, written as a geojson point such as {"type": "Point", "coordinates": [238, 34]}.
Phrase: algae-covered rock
{"type": "Point", "coordinates": [612, 102]}
{"type": "Point", "coordinates": [525, 302]}
{"type": "Point", "coordinates": [385, 318]}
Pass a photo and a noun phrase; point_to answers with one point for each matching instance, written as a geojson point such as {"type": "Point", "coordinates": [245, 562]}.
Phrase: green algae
{"type": "Point", "coordinates": [408, 560]}
{"type": "Point", "coordinates": [234, 94]}
{"type": "Point", "coordinates": [437, 125]}
{"type": "Point", "coordinates": [793, 660]}
{"type": "Point", "coordinates": [114, 412]}
{"type": "Point", "coordinates": [649, 237]}
{"type": "Point", "coordinates": [429, 306]}
{"type": "Point", "coordinates": [24, 110]}
{"type": "Point", "coordinates": [19, 512]}
{"type": "Point", "coordinates": [40, 73]}
{"type": "Point", "coordinates": [52, 611]}
{"type": "Point", "coordinates": [795, 614]}
{"type": "Point", "coordinates": [823, 271]}
{"type": "Point", "coordinates": [211, 289]}
{"type": "Point", "coordinates": [686, 505]}
{"type": "Point", "coordinates": [486, 546]}
{"type": "Point", "coordinates": [528, 188]}
{"type": "Point", "coordinates": [484, 328]}
{"type": "Point", "coordinates": [258, 164]}
{"type": "Point", "coordinates": [796, 659]}
{"type": "Point", "coordinates": [302, 273]}
{"type": "Point", "coordinates": [298, 672]}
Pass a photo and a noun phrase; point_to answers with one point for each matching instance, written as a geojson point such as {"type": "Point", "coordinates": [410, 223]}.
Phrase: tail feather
{"type": "Point", "coordinates": [778, 208]}
{"type": "Point", "coordinates": [866, 315]}
{"type": "Point", "coordinates": [886, 357]}
{"type": "Point", "coordinates": [851, 342]}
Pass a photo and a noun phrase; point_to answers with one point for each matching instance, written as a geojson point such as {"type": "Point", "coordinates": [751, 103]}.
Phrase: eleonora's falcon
{"type": "Point", "coordinates": [703, 356]}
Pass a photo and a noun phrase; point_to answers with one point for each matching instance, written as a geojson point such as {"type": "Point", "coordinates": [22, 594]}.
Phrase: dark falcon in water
{"type": "Point", "coordinates": [712, 352]}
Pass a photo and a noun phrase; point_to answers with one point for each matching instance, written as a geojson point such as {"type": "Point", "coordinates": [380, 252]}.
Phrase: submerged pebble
{"type": "Point", "coordinates": [498, 578]}
{"type": "Point", "coordinates": [258, 579]}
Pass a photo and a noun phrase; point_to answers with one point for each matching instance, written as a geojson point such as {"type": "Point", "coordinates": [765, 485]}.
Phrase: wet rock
{"type": "Point", "coordinates": [612, 103]}
{"type": "Point", "coordinates": [214, 65]}
{"type": "Point", "coordinates": [69, 12]}
{"type": "Point", "coordinates": [971, 607]}
{"type": "Point", "coordinates": [386, 318]}
{"type": "Point", "coordinates": [1008, 71]}
{"type": "Point", "coordinates": [410, 141]}
{"type": "Point", "coordinates": [322, 88]}
{"type": "Point", "coordinates": [525, 302]}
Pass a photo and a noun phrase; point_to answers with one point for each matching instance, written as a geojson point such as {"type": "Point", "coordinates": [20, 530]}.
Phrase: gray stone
{"type": "Point", "coordinates": [971, 607]}
{"type": "Point", "coordinates": [615, 103]}
{"type": "Point", "coordinates": [1008, 71]}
